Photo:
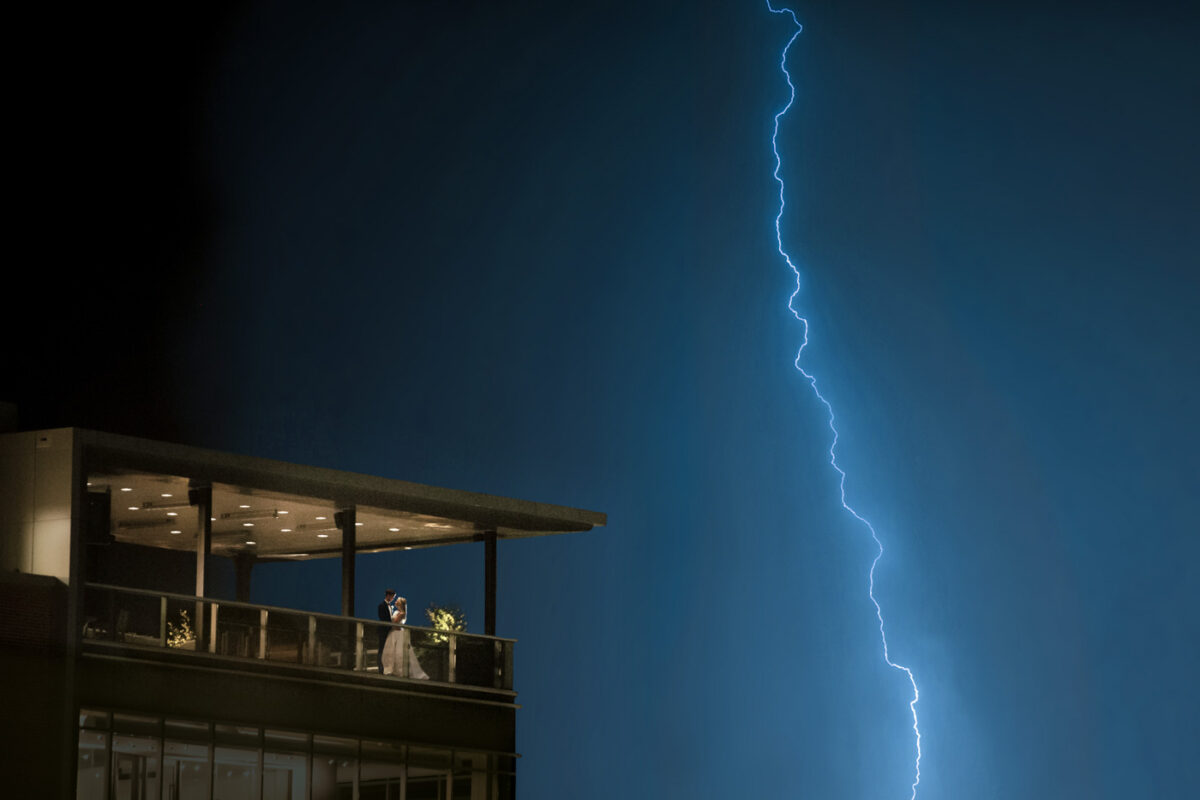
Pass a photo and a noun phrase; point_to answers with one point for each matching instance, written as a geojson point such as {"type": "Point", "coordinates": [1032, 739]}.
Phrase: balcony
{"type": "Point", "coordinates": [148, 624]}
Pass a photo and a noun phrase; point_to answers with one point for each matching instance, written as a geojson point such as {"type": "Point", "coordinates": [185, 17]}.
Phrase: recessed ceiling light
{"type": "Point", "coordinates": [126, 489]}
{"type": "Point", "coordinates": [394, 530]}
{"type": "Point", "coordinates": [406, 547]}
{"type": "Point", "coordinates": [281, 512]}
{"type": "Point", "coordinates": [251, 541]}
{"type": "Point", "coordinates": [358, 524]}
{"type": "Point", "coordinates": [176, 533]}
{"type": "Point", "coordinates": [134, 508]}
{"type": "Point", "coordinates": [243, 505]}
{"type": "Point", "coordinates": [285, 530]}
{"type": "Point", "coordinates": [166, 494]}
{"type": "Point", "coordinates": [322, 517]}
{"type": "Point", "coordinates": [172, 513]}
{"type": "Point", "coordinates": [247, 524]}
{"type": "Point", "coordinates": [437, 525]}
{"type": "Point", "coordinates": [322, 535]}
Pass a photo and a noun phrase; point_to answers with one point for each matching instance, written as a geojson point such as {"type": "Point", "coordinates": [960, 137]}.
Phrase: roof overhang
{"type": "Point", "coordinates": [274, 509]}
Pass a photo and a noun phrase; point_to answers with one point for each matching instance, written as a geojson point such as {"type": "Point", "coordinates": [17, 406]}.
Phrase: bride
{"type": "Point", "coordinates": [394, 649]}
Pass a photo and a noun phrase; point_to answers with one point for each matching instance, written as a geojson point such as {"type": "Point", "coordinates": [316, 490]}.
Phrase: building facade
{"type": "Point", "coordinates": [138, 668]}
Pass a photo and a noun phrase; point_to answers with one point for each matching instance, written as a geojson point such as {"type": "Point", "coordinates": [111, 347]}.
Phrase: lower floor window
{"type": "Point", "coordinates": [134, 757]}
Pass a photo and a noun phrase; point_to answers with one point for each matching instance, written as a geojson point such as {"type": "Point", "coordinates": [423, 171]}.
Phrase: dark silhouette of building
{"type": "Point", "coordinates": [135, 666]}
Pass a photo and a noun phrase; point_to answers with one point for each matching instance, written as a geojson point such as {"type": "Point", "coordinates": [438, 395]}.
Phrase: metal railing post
{"type": "Point", "coordinates": [198, 623]}
{"type": "Point", "coordinates": [451, 643]}
{"type": "Point", "coordinates": [405, 644]}
{"type": "Point", "coordinates": [212, 631]}
{"type": "Point", "coordinates": [162, 621]}
{"type": "Point", "coordinates": [262, 633]}
{"type": "Point", "coordinates": [358, 646]}
{"type": "Point", "coordinates": [311, 650]}
{"type": "Point", "coordinates": [497, 664]}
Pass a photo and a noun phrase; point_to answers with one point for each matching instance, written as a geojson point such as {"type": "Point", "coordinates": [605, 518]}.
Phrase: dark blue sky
{"type": "Point", "coordinates": [527, 249]}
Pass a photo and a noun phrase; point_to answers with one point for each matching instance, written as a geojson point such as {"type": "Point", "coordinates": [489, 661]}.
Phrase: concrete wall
{"type": "Point", "coordinates": [38, 753]}
{"type": "Point", "coordinates": [35, 502]}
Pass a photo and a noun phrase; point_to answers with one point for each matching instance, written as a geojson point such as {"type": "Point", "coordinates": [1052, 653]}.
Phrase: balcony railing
{"type": "Point", "coordinates": [182, 623]}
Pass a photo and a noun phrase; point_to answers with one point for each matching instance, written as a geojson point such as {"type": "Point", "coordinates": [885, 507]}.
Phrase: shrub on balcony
{"type": "Point", "coordinates": [451, 619]}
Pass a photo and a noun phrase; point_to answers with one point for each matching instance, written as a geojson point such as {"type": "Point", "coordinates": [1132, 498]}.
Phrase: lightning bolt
{"type": "Point", "coordinates": [812, 380]}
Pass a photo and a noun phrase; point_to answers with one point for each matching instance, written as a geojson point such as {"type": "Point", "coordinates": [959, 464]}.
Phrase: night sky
{"type": "Point", "coordinates": [527, 249]}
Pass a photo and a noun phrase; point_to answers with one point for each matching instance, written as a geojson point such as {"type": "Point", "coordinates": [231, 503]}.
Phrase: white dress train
{"type": "Point", "coordinates": [394, 653]}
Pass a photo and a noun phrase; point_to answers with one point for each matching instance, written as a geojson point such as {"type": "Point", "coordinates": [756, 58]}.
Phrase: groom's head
{"type": "Point", "coordinates": [389, 595]}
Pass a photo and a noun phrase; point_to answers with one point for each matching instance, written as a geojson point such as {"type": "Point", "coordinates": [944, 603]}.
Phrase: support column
{"type": "Point", "coordinates": [345, 519]}
{"type": "Point", "coordinates": [489, 583]}
{"type": "Point", "coordinates": [200, 496]}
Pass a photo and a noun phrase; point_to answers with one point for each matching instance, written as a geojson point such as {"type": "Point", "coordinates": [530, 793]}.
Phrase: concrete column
{"type": "Point", "coordinates": [489, 583]}
{"type": "Point", "coordinates": [200, 496]}
{"type": "Point", "coordinates": [345, 519]}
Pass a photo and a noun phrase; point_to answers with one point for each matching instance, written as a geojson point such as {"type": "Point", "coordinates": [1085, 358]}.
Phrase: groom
{"type": "Point", "coordinates": [386, 609]}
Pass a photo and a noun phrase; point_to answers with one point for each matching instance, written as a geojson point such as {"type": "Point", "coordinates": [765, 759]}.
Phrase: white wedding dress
{"type": "Point", "coordinates": [394, 653]}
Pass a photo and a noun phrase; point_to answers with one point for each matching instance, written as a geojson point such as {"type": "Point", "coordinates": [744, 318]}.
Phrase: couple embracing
{"type": "Point", "coordinates": [392, 650]}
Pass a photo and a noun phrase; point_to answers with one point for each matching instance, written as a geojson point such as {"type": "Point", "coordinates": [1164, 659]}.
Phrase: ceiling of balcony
{"type": "Point", "coordinates": [153, 510]}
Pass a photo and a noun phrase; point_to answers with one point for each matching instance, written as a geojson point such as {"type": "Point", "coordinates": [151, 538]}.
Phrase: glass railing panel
{"type": "Point", "coordinates": [287, 637]}
{"type": "Point", "coordinates": [432, 650]}
{"type": "Point", "coordinates": [240, 630]}
{"type": "Point", "coordinates": [374, 638]}
{"type": "Point", "coordinates": [118, 617]}
{"type": "Point", "coordinates": [475, 661]}
{"type": "Point", "coordinates": [335, 643]}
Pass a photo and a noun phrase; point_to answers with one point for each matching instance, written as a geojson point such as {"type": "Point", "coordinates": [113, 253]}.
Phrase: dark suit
{"type": "Point", "coordinates": [385, 615]}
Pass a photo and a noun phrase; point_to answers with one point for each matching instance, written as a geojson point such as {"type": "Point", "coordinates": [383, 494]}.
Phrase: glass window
{"type": "Point", "coordinates": [135, 767]}
{"type": "Point", "coordinates": [474, 776]}
{"type": "Point", "coordinates": [186, 729]}
{"type": "Point", "coordinates": [237, 734]}
{"type": "Point", "coordinates": [382, 773]}
{"type": "Point", "coordinates": [235, 773]}
{"type": "Point", "coordinates": [382, 751]}
{"type": "Point", "coordinates": [285, 776]}
{"type": "Point", "coordinates": [428, 774]}
{"type": "Point", "coordinates": [187, 770]}
{"type": "Point", "coordinates": [335, 744]}
{"type": "Point", "coordinates": [333, 776]}
{"type": "Point", "coordinates": [286, 740]}
{"type": "Point", "coordinates": [90, 718]}
{"type": "Point", "coordinates": [201, 761]}
{"type": "Point", "coordinates": [91, 777]}
{"type": "Point", "coordinates": [128, 723]}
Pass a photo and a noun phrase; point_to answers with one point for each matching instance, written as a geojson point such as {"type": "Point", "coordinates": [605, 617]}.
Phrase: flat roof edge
{"type": "Point", "coordinates": [520, 517]}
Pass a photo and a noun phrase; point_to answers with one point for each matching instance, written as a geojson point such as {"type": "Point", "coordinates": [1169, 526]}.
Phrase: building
{"type": "Point", "coordinates": [131, 674]}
